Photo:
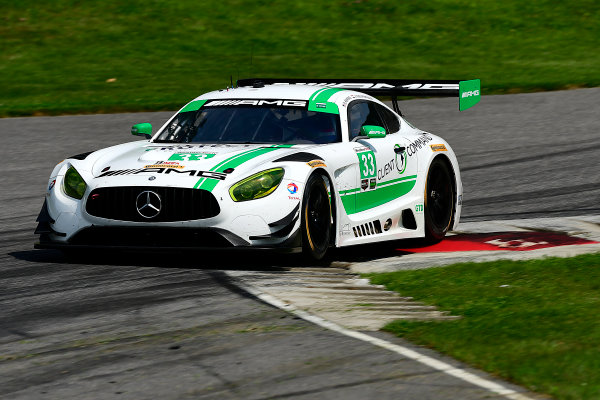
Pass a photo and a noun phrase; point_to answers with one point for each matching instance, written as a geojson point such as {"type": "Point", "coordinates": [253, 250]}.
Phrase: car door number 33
{"type": "Point", "coordinates": [368, 165]}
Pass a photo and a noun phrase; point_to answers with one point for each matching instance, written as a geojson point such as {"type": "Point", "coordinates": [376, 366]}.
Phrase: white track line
{"type": "Point", "coordinates": [403, 351]}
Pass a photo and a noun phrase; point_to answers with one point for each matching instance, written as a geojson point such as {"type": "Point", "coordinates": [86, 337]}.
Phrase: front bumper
{"type": "Point", "coordinates": [160, 240]}
{"type": "Point", "coordinates": [75, 227]}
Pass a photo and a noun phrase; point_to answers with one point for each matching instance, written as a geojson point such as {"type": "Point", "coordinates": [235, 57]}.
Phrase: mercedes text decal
{"type": "Point", "coordinates": [256, 102]}
{"type": "Point", "coordinates": [189, 172]}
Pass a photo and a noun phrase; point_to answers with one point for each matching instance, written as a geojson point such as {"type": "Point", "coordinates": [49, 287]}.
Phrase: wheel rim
{"type": "Point", "coordinates": [318, 218]}
{"type": "Point", "coordinates": [439, 198]}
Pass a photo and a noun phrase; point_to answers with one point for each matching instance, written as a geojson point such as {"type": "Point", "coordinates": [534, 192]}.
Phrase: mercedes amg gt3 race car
{"type": "Point", "coordinates": [281, 164]}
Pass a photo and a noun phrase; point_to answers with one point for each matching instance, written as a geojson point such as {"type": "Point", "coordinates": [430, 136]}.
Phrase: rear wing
{"type": "Point", "coordinates": [468, 92]}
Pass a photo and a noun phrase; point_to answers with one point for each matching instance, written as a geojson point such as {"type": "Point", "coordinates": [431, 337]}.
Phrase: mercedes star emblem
{"type": "Point", "coordinates": [148, 204]}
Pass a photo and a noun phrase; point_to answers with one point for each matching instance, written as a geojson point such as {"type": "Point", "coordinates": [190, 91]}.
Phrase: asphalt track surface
{"type": "Point", "coordinates": [145, 326]}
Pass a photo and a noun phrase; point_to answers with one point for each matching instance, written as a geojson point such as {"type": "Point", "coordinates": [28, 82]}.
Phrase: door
{"type": "Point", "coordinates": [384, 170]}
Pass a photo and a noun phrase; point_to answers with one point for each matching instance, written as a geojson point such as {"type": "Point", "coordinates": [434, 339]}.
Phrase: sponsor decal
{"type": "Point", "coordinates": [381, 85]}
{"type": "Point", "coordinates": [345, 231]}
{"type": "Point", "coordinates": [164, 164]}
{"type": "Point", "coordinates": [432, 86]}
{"type": "Point", "coordinates": [364, 184]}
{"type": "Point", "coordinates": [191, 156]}
{"type": "Point", "coordinates": [51, 184]}
{"type": "Point", "coordinates": [347, 85]}
{"type": "Point", "coordinates": [355, 97]}
{"type": "Point", "coordinates": [317, 163]}
{"type": "Point", "coordinates": [292, 188]}
{"type": "Point", "coordinates": [416, 145]}
{"type": "Point", "coordinates": [321, 105]}
{"type": "Point", "coordinates": [372, 183]}
{"type": "Point", "coordinates": [367, 164]}
{"type": "Point", "coordinates": [514, 244]}
{"type": "Point", "coordinates": [419, 208]}
{"type": "Point", "coordinates": [191, 147]}
{"type": "Point", "coordinates": [168, 170]}
{"type": "Point", "coordinates": [438, 147]}
{"type": "Point", "coordinates": [460, 199]}
{"type": "Point", "coordinates": [401, 160]}
{"type": "Point", "coordinates": [257, 102]}
{"type": "Point", "coordinates": [361, 149]}
{"type": "Point", "coordinates": [470, 93]}
{"type": "Point", "coordinates": [387, 168]}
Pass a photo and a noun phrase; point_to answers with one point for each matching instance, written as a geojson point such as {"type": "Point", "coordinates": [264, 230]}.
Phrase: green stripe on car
{"type": "Point", "coordinates": [193, 106]}
{"type": "Point", "coordinates": [319, 101]}
{"type": "Point", "coordinates": [234, 162]}
{"type": "Point", "coordinates": [392, 181]}
{"type": "Point", "coordinates": [385, 192]}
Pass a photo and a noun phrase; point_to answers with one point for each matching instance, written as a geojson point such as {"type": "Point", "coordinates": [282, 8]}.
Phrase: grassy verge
{"type": "Point", "coordinates": [535, 323]}
{"type": "Point", "coordinates": [67, 56]}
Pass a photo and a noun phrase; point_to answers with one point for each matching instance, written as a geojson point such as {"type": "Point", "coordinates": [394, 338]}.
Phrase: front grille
{"type": "Point", "coordinates": [151, 237]}
{"type": "Point", "coordinates": [176, 204]}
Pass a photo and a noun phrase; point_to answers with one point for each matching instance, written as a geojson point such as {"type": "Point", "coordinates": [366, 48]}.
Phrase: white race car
{"type": "Point", "coordinates": [285, 164]}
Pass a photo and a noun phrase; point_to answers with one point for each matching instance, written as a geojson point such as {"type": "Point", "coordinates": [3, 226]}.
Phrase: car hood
{"type": "Point", "coordinates": [182, 164]}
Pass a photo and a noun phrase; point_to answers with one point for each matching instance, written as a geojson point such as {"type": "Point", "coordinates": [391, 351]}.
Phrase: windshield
{"type": "Point", "coordinates": [252, 125]}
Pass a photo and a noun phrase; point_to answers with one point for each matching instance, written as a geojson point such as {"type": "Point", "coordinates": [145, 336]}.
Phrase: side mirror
{"type": "Point", "coordinates": [372, 131]}
{"type": "Point", "coordinates": [143, 129]}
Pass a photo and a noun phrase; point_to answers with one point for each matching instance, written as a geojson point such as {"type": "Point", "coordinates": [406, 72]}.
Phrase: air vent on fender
{"type": "Point", "coordinates": [368, 229]}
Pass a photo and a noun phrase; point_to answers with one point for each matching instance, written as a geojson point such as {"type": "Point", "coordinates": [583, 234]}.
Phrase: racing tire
{"type": "Point", "coordinates": [439, 201]}
{"type": "Point", "coordinates": [316, 218]}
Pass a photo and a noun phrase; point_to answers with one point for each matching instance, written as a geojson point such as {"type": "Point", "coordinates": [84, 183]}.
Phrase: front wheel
{"type": "Point", "coordinates": [316, 218]}
{"type": "Point", "coordinates": [439, 201]}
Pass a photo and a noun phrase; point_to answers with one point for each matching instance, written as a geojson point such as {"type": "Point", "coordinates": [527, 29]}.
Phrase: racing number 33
{"type": "Point", "coordinates": [368, 165]}
{"type": "Point", "coordinates": [190, 156]}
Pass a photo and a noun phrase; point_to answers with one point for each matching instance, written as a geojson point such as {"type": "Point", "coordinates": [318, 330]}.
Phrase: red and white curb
{"type": "Point", "coordinates": [522, 239]}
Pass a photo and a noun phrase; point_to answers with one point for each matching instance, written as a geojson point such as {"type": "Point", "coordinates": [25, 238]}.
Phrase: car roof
{"type": "Point", "coordinates": [287, 92]}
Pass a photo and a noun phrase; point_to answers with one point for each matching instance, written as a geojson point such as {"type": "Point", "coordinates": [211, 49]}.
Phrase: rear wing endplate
{"type": "Point", "coordinates": [468, 92]}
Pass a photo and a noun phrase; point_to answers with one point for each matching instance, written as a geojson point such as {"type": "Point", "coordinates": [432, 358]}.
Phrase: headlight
{"type": "Point", "coordinates": [73, 184]}
{"type": "Point", "coordinates": [257, 186]}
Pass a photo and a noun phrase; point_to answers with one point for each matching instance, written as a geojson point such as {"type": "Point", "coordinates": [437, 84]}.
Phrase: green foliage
{"type": "Point", "coordinates": [72, 56]}
{"type": "Point", "coordinates": [533, 322]}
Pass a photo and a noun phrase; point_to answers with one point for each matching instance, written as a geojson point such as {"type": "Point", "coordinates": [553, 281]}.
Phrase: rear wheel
{"type": "Point", "coordinates": [316, 218]}
{"type": "Point", "coordinates": [439, 201]}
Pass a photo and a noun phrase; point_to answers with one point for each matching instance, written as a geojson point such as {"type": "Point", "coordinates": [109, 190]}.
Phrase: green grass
{"type": "Point", "coordinates": [535, 323]}
{"type": "Point", "coordinates": [62, 56]}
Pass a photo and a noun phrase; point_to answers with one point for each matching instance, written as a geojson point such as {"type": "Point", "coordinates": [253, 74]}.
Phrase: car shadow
{"type": "Point", "coordinates": [253, 260]}
{"type": "Point", "coordinates": [187, 260]}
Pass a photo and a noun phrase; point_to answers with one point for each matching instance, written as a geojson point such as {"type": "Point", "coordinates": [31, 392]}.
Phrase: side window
{"type": "Point", "coordinates": [362, 113]}
{"type": "Point", "coordinates": [391, 120]}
